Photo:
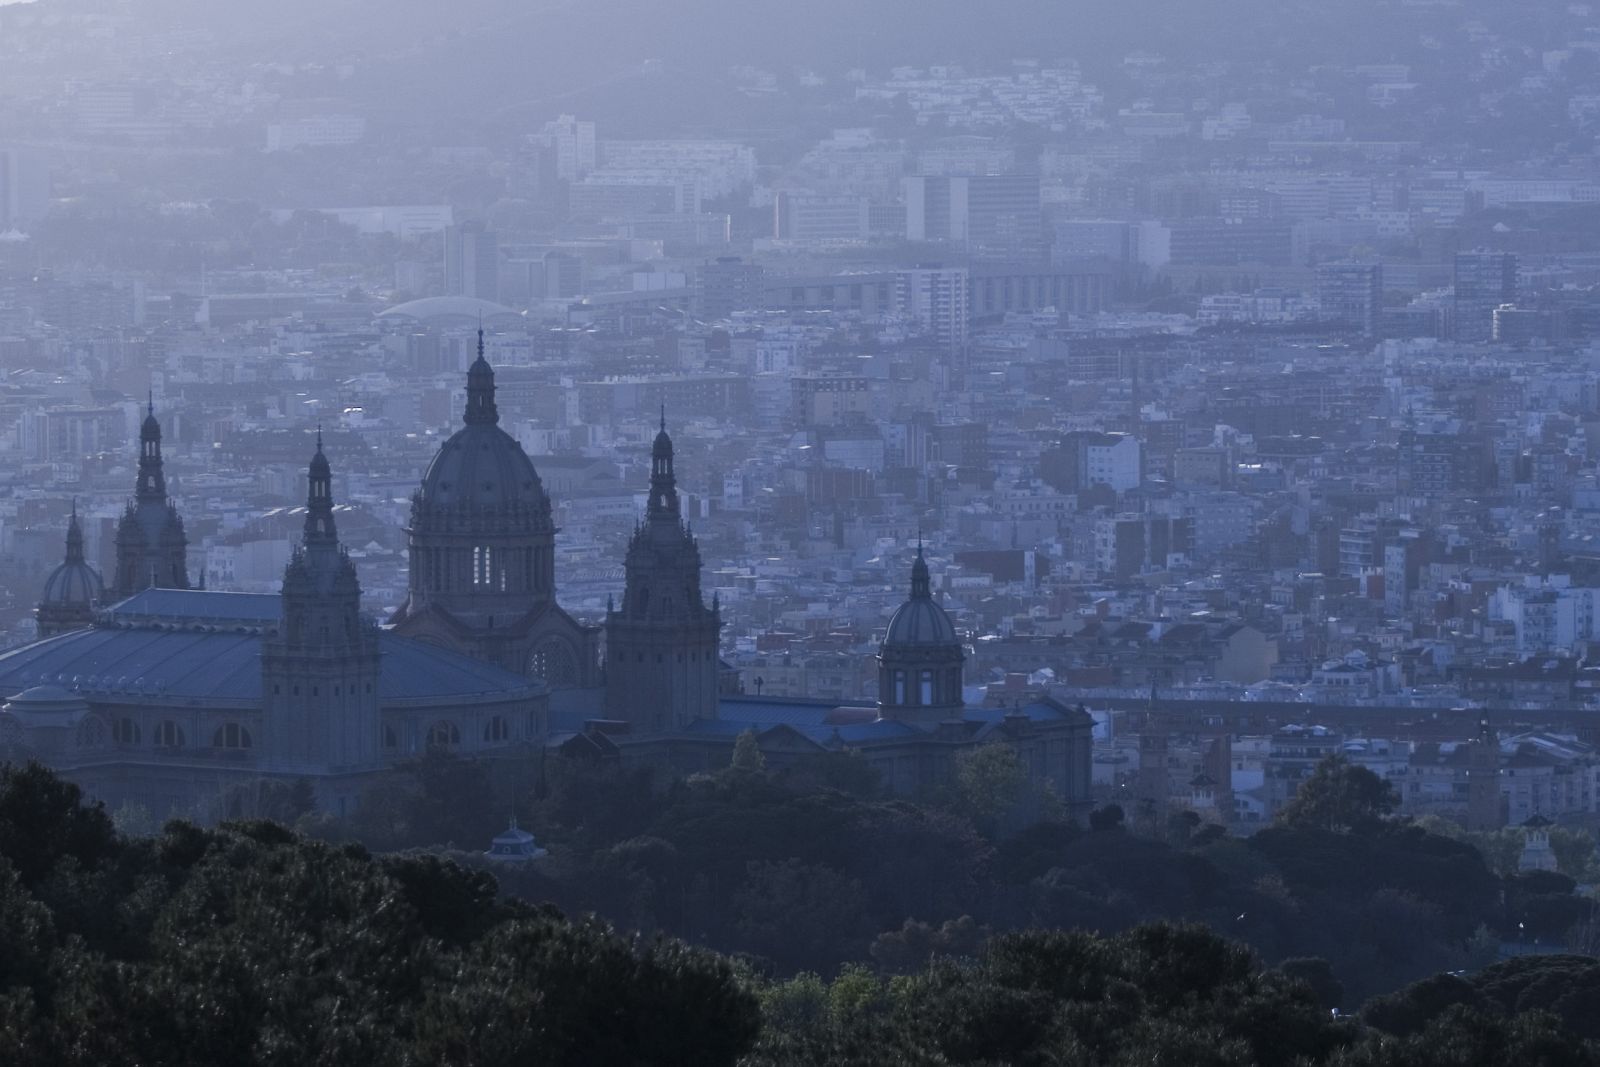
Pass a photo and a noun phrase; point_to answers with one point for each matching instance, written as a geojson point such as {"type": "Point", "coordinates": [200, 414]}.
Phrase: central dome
{"type": "Point", "coordinates": [481, 468]}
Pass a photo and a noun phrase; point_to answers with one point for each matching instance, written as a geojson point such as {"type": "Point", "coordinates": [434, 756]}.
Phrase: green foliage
{"type": "Point", "coordinates": [1575, 849]}
{"type": "Point", "coordinates": [437, 800]}
{"type": "Point", "coordinates": [989, 782]}
{"type": "Point", "coordinates": [43, 822]}
{"type": "Point", "coordinates": [249, 944]}
{"type": "Point", "coordinates": [747, 755]}
{"type": "Point", "coordinates": [1339, 796]}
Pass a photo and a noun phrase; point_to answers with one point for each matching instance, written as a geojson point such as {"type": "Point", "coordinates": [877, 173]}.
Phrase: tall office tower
{"type": "Point", "coordinates": [938, 298]}
{"type": "Point", "coordinates": [1484, 281]}
{"type": "Point", "coordinates": [725, 285]}
{"type": "Point", "coordinates": [574, 144]}
{"type": "Point", "coordinates": [999, 214]}
{"type": "Point", "coordinates": [24, 189]}
{"type": "Point", "coordinates": [472, 261]}
{"type": "Point", "coordinates": [1351, 295]}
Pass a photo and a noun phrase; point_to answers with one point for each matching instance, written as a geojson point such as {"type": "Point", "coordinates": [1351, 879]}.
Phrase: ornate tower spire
{"type": "Point", "coordinates": [74, 536]}
{"type": "Point", "coordinates": [151, 544]}
{"type": "Point", "coordinates": [319, 668]}
{"type": "Point", "coordinates": [921, 583]}
{"type": "Point", "coordinates": [480, 390]}
{"type": "Point", "coordinates": [152, 481]}
{"type": "Point", "coordinates": [663, 483]}
{"type": "Point", "coordinates": [663, 642]}
{"type": "Point", "coordinates": [320, 531]}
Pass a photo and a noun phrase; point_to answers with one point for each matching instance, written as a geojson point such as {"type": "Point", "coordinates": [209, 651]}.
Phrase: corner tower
{"type": "Point", "coordinates": [482, 554]}
{"type": "Point", "coordinates": [152, 548]}
{"type": "Point", "coordinates": [921, 658]}
{"type": "Point", "coordinates": [662, 657]}
{"type": "Point", "coordinates": [320, 669]}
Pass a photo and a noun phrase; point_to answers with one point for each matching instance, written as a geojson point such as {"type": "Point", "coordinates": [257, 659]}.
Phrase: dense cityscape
{"type": "Point", "coordinates": [862, 494]}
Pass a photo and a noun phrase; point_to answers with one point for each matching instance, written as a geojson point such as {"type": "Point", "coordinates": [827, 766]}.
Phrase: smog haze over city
{"type": "Point", "coordinates": [900, 532]}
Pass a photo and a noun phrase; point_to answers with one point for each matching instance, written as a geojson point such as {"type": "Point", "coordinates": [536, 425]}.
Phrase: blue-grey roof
{"type": "Point", "coordinates": [771, 712]}
{"type": "Point", "coordinates": [205, 667]}
{"type": "Point", "coordinates": [200, 606]}
{"type": "Point", "coordinates": [850, 734]}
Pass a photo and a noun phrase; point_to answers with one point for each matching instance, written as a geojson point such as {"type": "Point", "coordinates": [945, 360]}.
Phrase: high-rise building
{"type": "Point", "coordinates": [1484, 281]}
{"type": "Point", "coordinates": [798, 217]}
{"type": "Point", "coordinates": [1351, 295]}
{"type": "Point", "coordinates": [725, 285]}
{"type": "Point", "coordinates": [472, 261]}
{"type": "Point", "coordinates": [662, 662]}
{"type": "Point", "coordinates": [24, 189]}
{"type": "Point", "coordinates": [939, 299]}
{"type": "Point", "coordinates": [574, 144]}
{"type": "Point", "coordinates": [993, 213]}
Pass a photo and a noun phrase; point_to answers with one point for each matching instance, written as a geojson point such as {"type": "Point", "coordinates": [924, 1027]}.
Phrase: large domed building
{"type": "Point", "coordinates": [169, 697]}
{"type": "Point", "coordinates": [173, 698]}
{"type": "Point", "coordinates": [482, 555]}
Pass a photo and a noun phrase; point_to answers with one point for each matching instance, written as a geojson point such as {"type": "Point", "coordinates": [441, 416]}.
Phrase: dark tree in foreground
{"type": "Point", "coordinates": [1339, 796]}
{"type": "Point", "coordinates": [251, 944]}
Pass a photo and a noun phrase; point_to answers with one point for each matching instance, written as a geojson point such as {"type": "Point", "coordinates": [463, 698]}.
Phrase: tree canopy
{"type": "Point", "coordinates": [252, 944]}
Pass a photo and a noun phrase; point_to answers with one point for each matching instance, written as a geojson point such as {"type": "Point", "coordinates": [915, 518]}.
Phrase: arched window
{"type": "Point", "coordinates": [92, 732]}
{"type": "Point", "coordinates": [443, 734]}
{"type": "Point", "coordinates": [553, 661]}
{"type": "Point", "coordinates": [497, 729]}
{"type": "Point", "coordinates": [126, 732]}
{"type": "Point", "coordinates": [899, 687]}
{"type": "Point", "coordinates": [169, 735]}
{"type": "Point", "coordinates": [927, 688]}
{"type": "Point", "coordinates": [231, 735]}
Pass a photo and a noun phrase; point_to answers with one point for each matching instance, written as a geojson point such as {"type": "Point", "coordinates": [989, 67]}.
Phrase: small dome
{"type": "Point", "coordinates": [47, 706]}
{"type": "Point", "coordinates": [920, 622]}
{"type": "Point", "coordinates": [74, 582]}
